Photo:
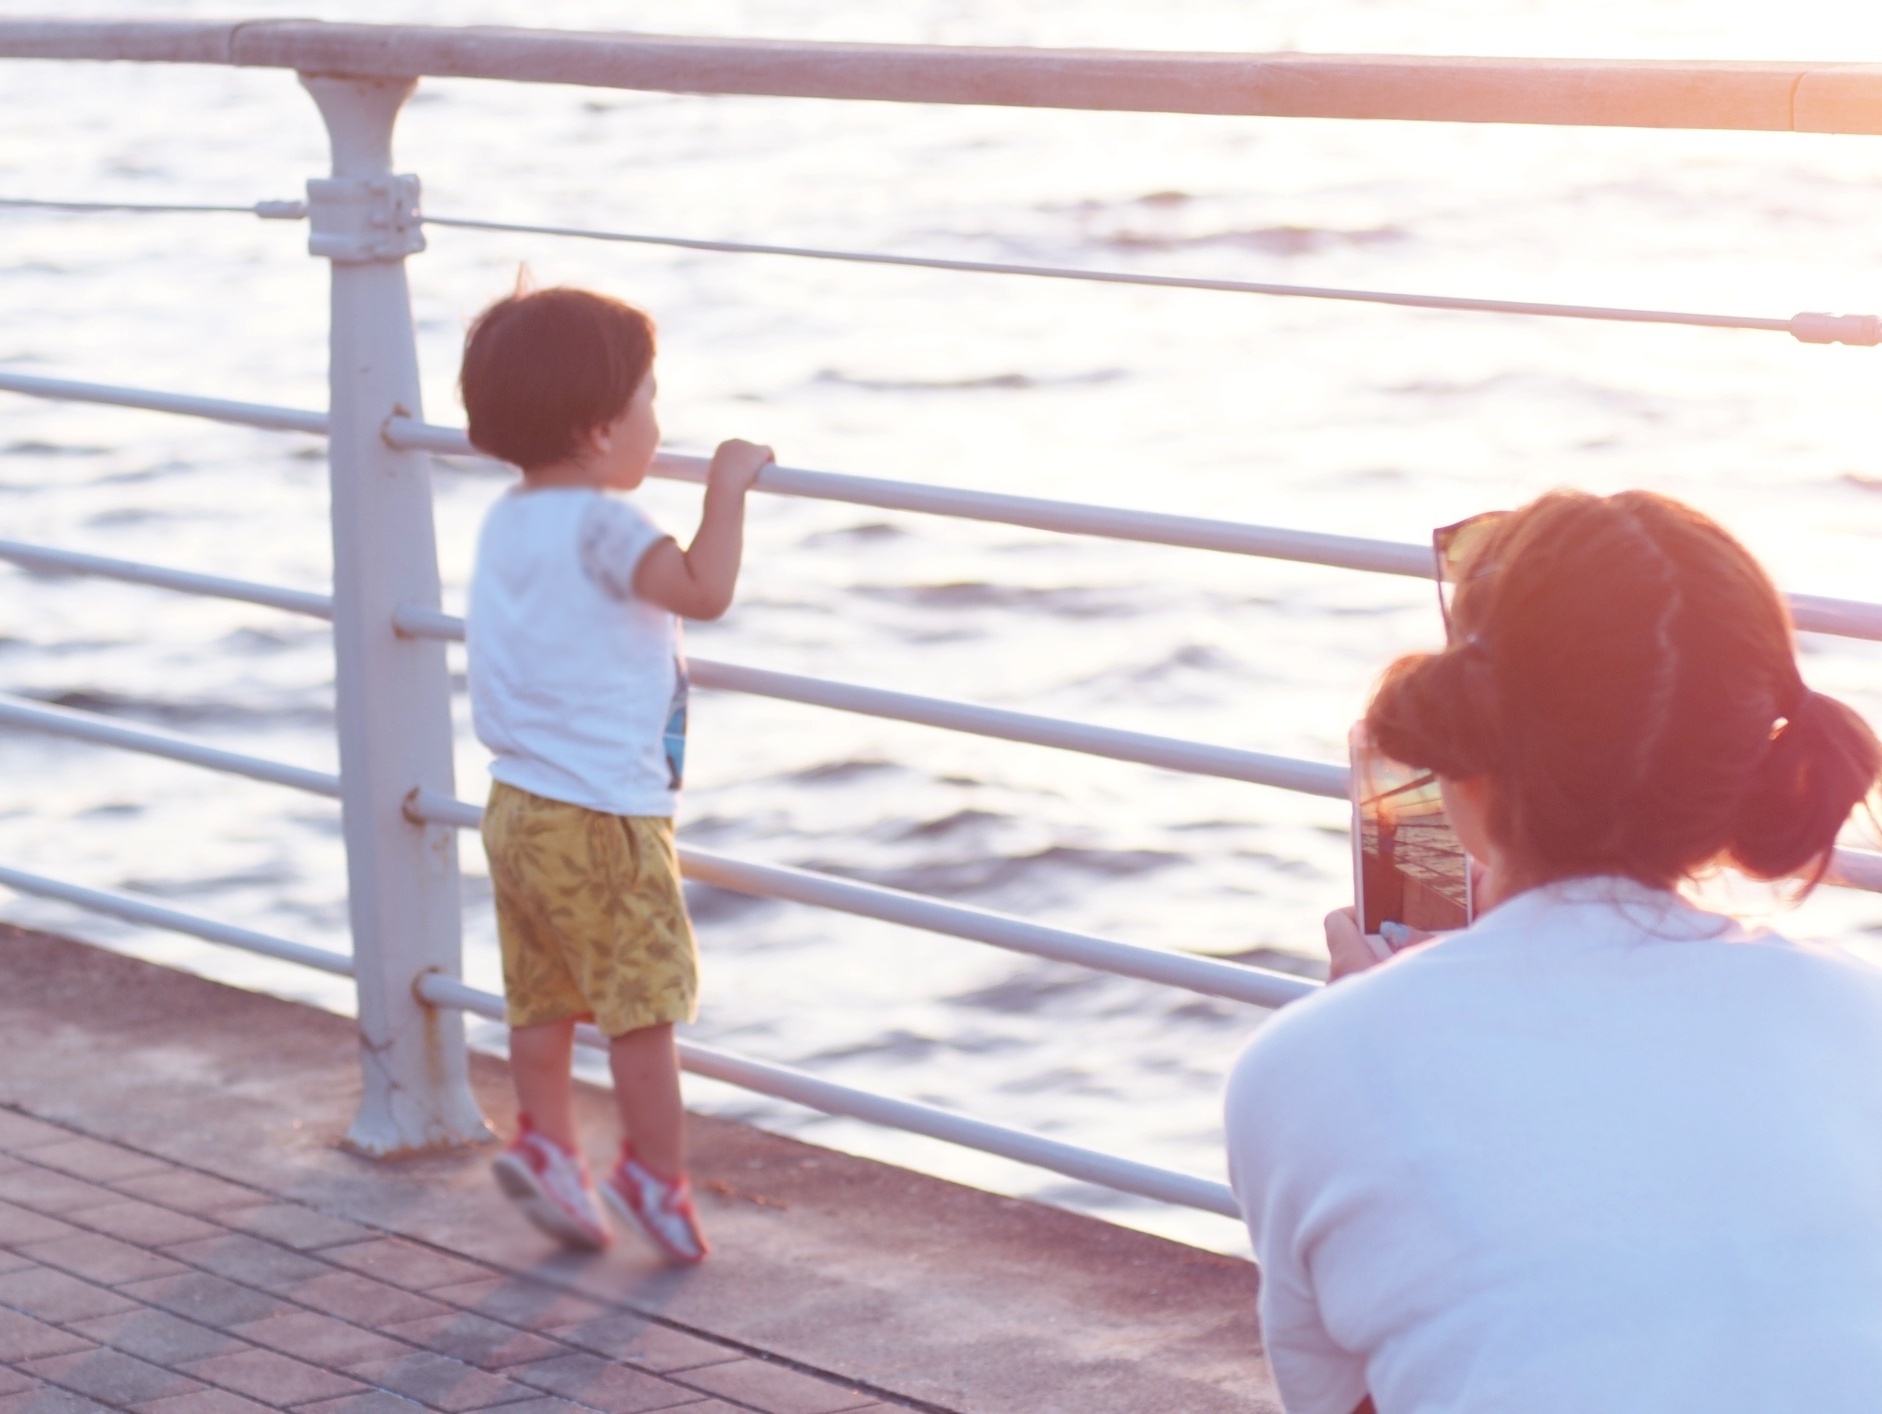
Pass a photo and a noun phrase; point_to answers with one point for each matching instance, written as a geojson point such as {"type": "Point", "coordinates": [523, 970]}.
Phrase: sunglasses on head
{"type": "Point", "coordinates": [1455, 551]}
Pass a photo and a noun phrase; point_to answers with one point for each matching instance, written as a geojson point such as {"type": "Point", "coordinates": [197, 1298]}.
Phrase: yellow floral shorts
{"type": "Point", "coordinates": [589, 914]}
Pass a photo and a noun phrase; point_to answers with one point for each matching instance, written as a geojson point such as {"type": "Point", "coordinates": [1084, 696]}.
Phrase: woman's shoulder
{"type": "Point", "coordinates": [1599, 936]}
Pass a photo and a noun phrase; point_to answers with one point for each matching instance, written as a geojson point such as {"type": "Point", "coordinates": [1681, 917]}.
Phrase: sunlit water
{"type": "Point", "coordinates": [1330, 417]}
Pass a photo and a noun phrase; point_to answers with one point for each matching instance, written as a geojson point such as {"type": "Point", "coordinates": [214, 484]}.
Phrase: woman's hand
{"type": "Point", "coordinates": [1352, 951]}
{"type": "Point", "coordinates": [1347, 946]}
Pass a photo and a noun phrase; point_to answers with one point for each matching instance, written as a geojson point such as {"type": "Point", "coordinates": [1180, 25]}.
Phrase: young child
{"type": "Point", "coordinates": [578, 686]}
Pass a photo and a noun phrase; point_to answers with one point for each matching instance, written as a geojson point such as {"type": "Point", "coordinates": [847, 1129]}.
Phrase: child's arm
{"type": "Point", "coordinates": [697, 583]}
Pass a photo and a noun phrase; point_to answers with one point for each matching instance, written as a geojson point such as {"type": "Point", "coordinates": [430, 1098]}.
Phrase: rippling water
{"type": "Point", "coordinates": [1330, 417]}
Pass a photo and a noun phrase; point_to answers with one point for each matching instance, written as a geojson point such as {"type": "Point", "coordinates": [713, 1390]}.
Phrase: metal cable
{"type": "Point", "coordinates": [267, 210]}
{"type": "Point", "coordinates": [1861, 330]}
{"type": "Point", "coordinates": [1864, 330]}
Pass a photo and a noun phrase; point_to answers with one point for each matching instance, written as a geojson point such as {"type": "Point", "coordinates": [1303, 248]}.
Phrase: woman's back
{"type": "Point", "coordinates": [1602, 1152]}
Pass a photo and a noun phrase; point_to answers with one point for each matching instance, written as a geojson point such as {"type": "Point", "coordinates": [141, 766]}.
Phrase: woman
{"type": "Point", "coordinates": [1601, 1151]}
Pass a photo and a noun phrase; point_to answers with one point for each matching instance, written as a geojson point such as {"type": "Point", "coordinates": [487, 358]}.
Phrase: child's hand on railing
{"type": "Point", "coordinates": [735, 466]}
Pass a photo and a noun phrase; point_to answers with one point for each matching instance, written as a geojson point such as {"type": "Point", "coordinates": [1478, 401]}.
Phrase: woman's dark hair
{"type": "Point", "coordinates": [1624, 672]}
{"type": "Point", "coordinates": [545, 368]}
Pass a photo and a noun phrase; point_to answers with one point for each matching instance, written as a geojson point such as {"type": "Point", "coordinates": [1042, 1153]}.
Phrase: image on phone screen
{"type": "Point", "coordinates": [1408, 865]}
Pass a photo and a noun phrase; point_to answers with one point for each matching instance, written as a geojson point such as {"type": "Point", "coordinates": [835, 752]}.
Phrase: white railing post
{"type": "Point", "coordinates": [393, 693]}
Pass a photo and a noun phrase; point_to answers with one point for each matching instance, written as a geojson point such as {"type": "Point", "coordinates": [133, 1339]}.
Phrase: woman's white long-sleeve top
{"type": "Point", "coordinates": [1600, 1153]}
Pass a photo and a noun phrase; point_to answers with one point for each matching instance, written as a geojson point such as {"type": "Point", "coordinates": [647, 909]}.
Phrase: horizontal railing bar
{"type": "Point", "coordinates": [1846, 618]}
{"type": "Point", "coordinates": [275, 419]}
{"type": "Point", "coordinates": [785, 1083]}
{"type": "Point", "coordinates": [46, 560]}
{"type": "Point", "coordinates": [1724, 95]}
{"type": "Point", "coordinates": [1207, 976]}
{"type": "Point", "coordinates": [1863, 330]}
{"type": "Point", "coordinates": [138, 910]}
{"type": "Point", "coordinates": [1840, 618]}
{"type": "Point", "coordinates": [103, 731]}
{"type": "Point", "coordinates": [1855, 869]}
{"type": "Point", "coordinates": [1813, 613]}
{"type": "Point", "coordinates": [1168, 753]}
{"type": "Point", "coordinates": [1849, 868]}
{"type": "Point", "coordinates": [1233, 981]}
{"type": "Point", "coordinates": [1070, 517]}
{"type": "Point", "coordinates": [266, 210]}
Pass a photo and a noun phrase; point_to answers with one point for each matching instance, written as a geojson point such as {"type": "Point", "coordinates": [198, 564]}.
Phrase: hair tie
{"type": "Point", "coordinates": [1792, 708]}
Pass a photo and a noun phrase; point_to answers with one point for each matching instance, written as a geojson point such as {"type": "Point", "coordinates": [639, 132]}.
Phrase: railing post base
{"type": "Point", "coordinates": [393, 694]}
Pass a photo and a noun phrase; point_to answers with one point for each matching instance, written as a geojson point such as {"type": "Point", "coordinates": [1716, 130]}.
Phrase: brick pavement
{"type": "Point", "coordinates": [189, 1201]}
{"type": "Point", "coordinates": [129, 1282]}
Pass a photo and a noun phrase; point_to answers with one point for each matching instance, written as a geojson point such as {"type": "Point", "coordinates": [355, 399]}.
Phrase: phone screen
{"type": "Point", "coordinates": [1408, 866]}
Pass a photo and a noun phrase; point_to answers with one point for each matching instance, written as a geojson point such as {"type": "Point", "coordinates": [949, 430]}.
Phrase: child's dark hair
{"type": "Point", "coordinates": [1624, 672]}
{"type": "Point", "coordinates": [545, 368]}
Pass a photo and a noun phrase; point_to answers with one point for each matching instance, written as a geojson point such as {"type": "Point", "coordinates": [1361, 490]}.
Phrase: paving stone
{"type": "Point", "coordinates": [102, 1259]}
{"type": "Point", "coordinates": [21, 1225]}
{"type": "Point", "coordinates": [49, 1191]}
{"type": "Point", "coordinates": [205, 1297]}
{"type": "Point", "coordinates": [55, 1296]}
{"type": "Point", "coordinates": [275, 1378]}
{"type": "Point", "coordinates": [478, 1340]}
{"type": "Point", "coordinates": [12, 1381]}
{"type": "Point", "coordinates": [375, 1402]}
{"type": "Point", "coordinates": [601, 1384]}
{"type": "Point", "coordinates": [776, 1389]}
{"type": "Point", "coordinates": [549, 1404]}
{"type": "Point", "coordinates": [621, 1336]}
{"type": "Point", "coordinates": [362, 1300]}
{"type": "Point", "coordinates": [249, 1260]}
{"type": "Point", "coordinates": [18, 1131]}
{"type": "Point", "coordinates": [146, 1223]}
{"type": "Point", "coordinates": [23, 1338]}
{"type": "Point", "coordinates": [12, 1261]}
{"type": "Point", "coordinates": [43, 1399]}
{"type": "Point", "coordinates": [406, 1264]}
{"type": "Point", "coordinates": [519, 1301]}
{"type": "Point", "coordinates": [291, 1225]}
{"type": "Point", "coordinates": [206, 1401]}
{"type": "Point", "coordinates": [190, 1192]}
{"type": "Point", "coordinates": [88, 1158]}
{"type": "Point", "coordinates": [324, 1340]}
{"type": "Point", "coordinates": [441, 1382]}
{"type": "Point", "coordinates": [111, 1376]}
{"type": "Point", "coordinates": [159, 1337]}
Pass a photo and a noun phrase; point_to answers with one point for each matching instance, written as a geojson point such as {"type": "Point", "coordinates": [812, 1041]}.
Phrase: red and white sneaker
{"type": "Point", "coordinates": [659, 1210]}
{"type": "Point", "coordinates": [552, 1188]}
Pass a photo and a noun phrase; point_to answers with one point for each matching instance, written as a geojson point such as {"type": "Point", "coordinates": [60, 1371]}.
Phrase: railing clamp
{"type": "Point", "coordinates": [1862, 330]}
{"type": "Point", "coordinates": [364, 220]}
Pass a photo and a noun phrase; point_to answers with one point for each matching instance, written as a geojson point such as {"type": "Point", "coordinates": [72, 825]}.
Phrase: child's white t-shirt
{"type": "Point", "coordinates": [1601, 1153]}
{"type": "Point", "coordinates": [576, 684]}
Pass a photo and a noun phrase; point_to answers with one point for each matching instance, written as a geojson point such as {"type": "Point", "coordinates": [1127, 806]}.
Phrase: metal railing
{"type": "Point", "coordinates": [400, 809]}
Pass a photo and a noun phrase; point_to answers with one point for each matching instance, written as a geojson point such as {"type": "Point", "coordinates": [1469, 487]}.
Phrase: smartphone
{"type": "Point", "coordinates": [1408, 866]}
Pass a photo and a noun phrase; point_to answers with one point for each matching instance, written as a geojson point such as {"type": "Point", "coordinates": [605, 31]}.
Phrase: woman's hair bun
{"type": "Point", "coordinates": [1820, 765]}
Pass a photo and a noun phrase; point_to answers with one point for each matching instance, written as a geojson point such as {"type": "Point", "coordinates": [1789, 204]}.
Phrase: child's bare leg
{"type": "Point", "coordinates": [541, 1058]}
{"type": "Point", "coordinates": [647, 1092]}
